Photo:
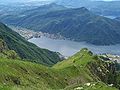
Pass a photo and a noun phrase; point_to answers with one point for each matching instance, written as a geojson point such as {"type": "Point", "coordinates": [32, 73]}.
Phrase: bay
{"type": "Point", "coordinates": [69, 48]}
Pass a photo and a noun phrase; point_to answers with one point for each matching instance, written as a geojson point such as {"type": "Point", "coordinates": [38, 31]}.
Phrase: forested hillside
{"type": "Point", "coordinates": [25, 49]}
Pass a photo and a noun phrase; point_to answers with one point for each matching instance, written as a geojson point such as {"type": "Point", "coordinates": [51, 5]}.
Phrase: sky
{"type": "Point", "coordinates": [106, 0]}
{"type": "Point", "coordinates": [21, 0]}
{"type": "Point", "coordinates": [45, 0]}
{"type": "Point", "coordinates": [42, 0]}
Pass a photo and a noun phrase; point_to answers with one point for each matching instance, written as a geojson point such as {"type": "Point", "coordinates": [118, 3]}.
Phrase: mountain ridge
{"type": "Point", "coordinates": [92, 28]}
{"type": "Point", "coordinates": [25, 49]}
{"type": "Point", "coordinates": [77, 74]}
{"type": "Point", "coordinates": [111, 8]}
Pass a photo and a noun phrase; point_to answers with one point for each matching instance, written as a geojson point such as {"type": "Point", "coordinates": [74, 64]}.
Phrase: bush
{"type": "Point", "coordinates": [11, 54]}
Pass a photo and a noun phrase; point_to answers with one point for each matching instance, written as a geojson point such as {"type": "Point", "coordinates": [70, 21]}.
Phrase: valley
{"type": "Point", "coordinates": [76, 72]}
{"type": "Point", "coordinates": [59, 45]}
{"type": "Point", "coordinates": [92, 28]}
{"type": "Point", "coordinates": [66, 47]}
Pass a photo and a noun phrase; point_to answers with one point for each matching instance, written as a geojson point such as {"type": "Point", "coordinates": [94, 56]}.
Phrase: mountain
{"type": "Point", "coordinates": [79, 71]}
{"type": "Point", "coordinates": [12, 14]}
{"type": "Point", "coordinates": [111, 8]}
{"type": "Point", "coordinates": [89, 67]}
{"type": "Point", "coordinates": [25, 49]}
{"type": "Point", "coordinates": [80, 23]}
{"type": "Point", "coordinates": [44, 9]}
{"type": "Point", "coordinates": [20, 9]}
{"type": "Point", "coordinates": [15, 8]}
{"type": "Point", "coordinates": [74, 4]}
{"type": "Point", "coordinates": [118, 18]}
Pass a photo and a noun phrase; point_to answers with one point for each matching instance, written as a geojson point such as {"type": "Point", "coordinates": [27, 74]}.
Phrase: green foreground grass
{"type": "Point", "coordinates": [71, 74]}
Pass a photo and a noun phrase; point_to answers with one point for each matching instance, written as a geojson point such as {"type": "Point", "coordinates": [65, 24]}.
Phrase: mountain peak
{"type": "Point", "coordinates": [52, 5]}
{"type": "Point", "coordinates": [84, 9]}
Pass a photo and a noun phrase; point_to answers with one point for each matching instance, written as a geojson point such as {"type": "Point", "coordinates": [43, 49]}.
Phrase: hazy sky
{"type": "Point", "coordinates": [106, 0]}
{"type": "Point", "coordinates": [22, 0]}
{"type": "Point", "coordinates": [41, 0]}
{"type": "Point", "coordinates": [47, 0]}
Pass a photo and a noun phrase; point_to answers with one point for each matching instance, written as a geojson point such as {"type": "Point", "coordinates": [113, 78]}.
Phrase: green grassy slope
{"type": "Point", "coordinates": [25, 75]}
{"type": "Point", "coordinates": [25, 49]}
{"type": "Point", "coordinates": [67, 75]}
{"type": "Point", "coordinates": [85, 67]}
{"type": "Point", "coordinates": [21, 75]}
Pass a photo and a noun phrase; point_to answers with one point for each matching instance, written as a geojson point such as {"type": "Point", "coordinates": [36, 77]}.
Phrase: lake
{"type": "Point", "coordinates": [111, 17]}
{"type": "Point", "coordinates": [68, 48]}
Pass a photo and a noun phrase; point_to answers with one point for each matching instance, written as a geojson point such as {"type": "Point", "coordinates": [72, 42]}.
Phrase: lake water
{"type": "Point", "coordinates": [68, 48]}
{"type": "Point", "coordinates": [111, 17]}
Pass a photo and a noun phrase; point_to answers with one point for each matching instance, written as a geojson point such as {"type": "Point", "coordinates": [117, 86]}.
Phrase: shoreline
{"type": "Point", "coordinates": [28, 34]}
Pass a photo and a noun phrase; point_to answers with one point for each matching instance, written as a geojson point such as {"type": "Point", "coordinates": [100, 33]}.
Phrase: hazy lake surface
{"type": "Point", "coordinates": [68, 48]}
{"type": "Point", "coordinates": [111, 17]}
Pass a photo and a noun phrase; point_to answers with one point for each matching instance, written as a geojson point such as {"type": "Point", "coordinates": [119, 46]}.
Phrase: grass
{"type": "Point", "coordinates": [25, 49]}
{"type": "Point", "coordinates": [25, 74]}
{"type": "Point", "coordinates": [66, 75]}
{"type": "Point", "coordinates": [79, 59]}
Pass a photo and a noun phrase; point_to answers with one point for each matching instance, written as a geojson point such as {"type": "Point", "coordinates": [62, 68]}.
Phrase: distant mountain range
{"type": "Point", "coordinates": [111, 8]}
{"type": "Point", "coordinates": [118, 18]}
{"type": "Point", "coordinates": [25, 49]}
{"type": "Point", "coordinates": [17, 12]}
{"type": "Point", "coordinates": [15, 8]}
{"type": "Point", "coordinates": [44, 9]}
{"type": "Point", "coordinates": [75, 24]}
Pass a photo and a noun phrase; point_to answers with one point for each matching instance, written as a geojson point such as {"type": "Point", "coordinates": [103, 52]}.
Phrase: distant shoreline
{"type": "Point", "coordinates": [28, 34]}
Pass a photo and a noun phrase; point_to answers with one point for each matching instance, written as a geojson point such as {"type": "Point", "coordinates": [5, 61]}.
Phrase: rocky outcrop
{"type": "Point", "coordinates": [106, 71]}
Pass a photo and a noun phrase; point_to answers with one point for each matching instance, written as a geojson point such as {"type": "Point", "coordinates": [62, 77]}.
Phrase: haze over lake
{"type": "Point", "coordinates": [68, 48]}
